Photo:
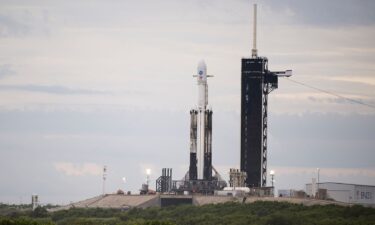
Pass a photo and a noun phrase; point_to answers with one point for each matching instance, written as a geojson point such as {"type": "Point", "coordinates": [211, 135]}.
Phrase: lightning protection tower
{"type": "Point", "coordinates": [256, 83]}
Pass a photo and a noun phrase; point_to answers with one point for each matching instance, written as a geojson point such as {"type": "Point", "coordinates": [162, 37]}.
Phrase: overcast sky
{"type": "Point", "coordinates": [90, 83]}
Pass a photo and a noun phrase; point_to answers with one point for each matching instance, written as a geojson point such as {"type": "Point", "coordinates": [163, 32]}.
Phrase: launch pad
{"type": "Point", "coordinates": [165, 184]}
{"type": "Point", "coordinates": [204, 186]}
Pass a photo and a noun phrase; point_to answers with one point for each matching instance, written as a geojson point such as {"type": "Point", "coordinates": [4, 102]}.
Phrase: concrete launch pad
{"type": "Point", "coordinates": [145, 201]}
{"type": "Point", "coordinates": [125, 202]}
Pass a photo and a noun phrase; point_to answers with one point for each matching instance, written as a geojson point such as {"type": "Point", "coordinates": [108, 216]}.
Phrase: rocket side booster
{"type": "Point", "coordinates": [193, 145]}
{"type": "Point", "coordinates": [201, 131]}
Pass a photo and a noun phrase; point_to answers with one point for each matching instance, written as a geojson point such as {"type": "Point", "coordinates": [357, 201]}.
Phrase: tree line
{"type": "Point", "coordinates": [259, 213]}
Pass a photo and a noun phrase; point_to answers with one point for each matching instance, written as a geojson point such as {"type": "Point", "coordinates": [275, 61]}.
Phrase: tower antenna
{"type": "Point", "coordinates": [104, 178]}
{"type": "Point", "coordinates": [254, 51]}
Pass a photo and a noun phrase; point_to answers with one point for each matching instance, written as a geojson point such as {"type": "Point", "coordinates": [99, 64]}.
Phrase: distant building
{"type": "Point", "coordinates": [348, 193]}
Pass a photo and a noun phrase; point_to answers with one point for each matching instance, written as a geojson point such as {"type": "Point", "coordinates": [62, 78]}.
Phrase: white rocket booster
{"type": "Point", "coordinates": [201, 130]}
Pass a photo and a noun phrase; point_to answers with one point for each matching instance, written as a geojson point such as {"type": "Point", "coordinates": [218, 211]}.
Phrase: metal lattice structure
{"type": "Point", "coordinates": [164, 183]}
{"type": "Point", "coordinates": [237, 178]}
{"type": "Point", "coordinates": [199, 185]}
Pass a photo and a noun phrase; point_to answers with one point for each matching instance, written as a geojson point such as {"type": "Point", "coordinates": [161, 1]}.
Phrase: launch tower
{"type": "Point", "coordinates": [256, 83]}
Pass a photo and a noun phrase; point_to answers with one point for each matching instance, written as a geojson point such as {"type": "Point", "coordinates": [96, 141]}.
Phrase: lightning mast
{"type": "Point", "coordinates": [104, 178]}
{"type": "Point", "coordinates": [254, 51]}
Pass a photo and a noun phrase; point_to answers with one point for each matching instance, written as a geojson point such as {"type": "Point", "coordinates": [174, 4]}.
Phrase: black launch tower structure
{"type": "Point", "coordinates": [256, 83]}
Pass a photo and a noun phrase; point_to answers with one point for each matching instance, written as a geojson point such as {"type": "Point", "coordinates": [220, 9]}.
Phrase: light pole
{"type": "Point", "coordinates": [148, 172]}
{"type": "Point", "coordinates": [318, 170]}
{"type": "Point", "coordinates": [124, 180]}
{"type": "Point", "coordinates": [104, 178]}
{"type": "Point", "coordinates": [272, 173]}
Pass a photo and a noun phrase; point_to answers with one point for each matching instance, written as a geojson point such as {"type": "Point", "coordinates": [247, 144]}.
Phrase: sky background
{"type": "Point", "coordinates": [90, 83]}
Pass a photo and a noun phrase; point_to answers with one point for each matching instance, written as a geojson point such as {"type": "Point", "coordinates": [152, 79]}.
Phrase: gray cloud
{"type": "Point", "coordinates": [11, 27]}
{"type": "Point", "coordinates": [343, 101]}
{"type": "Point", "coordinates": [6, 70]}
{"type": "Point", "coordinates": [326, 13]}
{"type": "Point", "coordinates": [322, 140]}
{"type": "Point", "coordinates": [51, 89]}
{"type": "Point", "coordinates": [23, 22]}
{"type": "Point", "coordinates": [328, 126]}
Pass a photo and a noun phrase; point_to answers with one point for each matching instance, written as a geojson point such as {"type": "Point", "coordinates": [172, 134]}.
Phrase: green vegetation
{"type": "Point", "coordinates": [262, 213]}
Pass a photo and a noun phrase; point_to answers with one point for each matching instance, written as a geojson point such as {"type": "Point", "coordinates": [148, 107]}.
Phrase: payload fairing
{"type": "Point", "coordinates": [201, 131]}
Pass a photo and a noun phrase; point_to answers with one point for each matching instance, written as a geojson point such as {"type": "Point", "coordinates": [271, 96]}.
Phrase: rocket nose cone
{"type": "Point", "coordinates": [202, 65]}
{"type": "Point", "coordinates": [202, 70]}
